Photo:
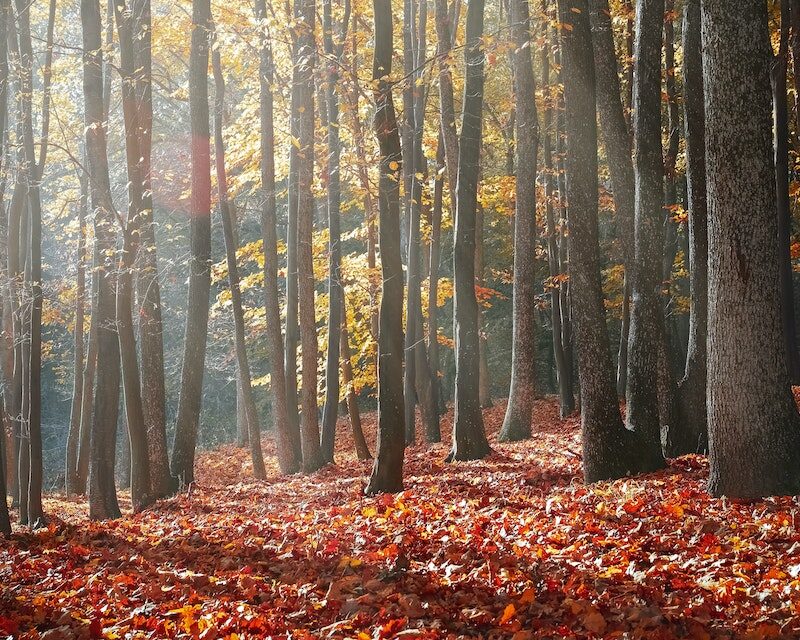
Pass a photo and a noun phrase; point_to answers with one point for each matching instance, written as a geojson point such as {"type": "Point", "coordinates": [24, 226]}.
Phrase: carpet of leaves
{"type": "Point", "coordinates": [514, 546]}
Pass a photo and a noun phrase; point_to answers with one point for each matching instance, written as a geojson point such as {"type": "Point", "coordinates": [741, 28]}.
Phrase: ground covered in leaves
{"type": "Point", "coordinates": [514, 546]}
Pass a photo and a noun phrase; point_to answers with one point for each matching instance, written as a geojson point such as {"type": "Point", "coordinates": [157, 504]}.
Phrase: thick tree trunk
{"type": "Point", "coordinates": [287, 439]}
{"type": "Point", "coordinates": [647, 318]}
{"type": "Point", "coordinates": [251, 414]}
{"type": "Point", "coordinates": [469, 437]}
{"type": "Point", "coordinates": [72, 486]}
{"type": "Point", "coordinates": [140, 483]}
{"type": "Point", "coordinates": [607, 447]}
{"type": "Point", "coordinates": [387, 472]}
{"type": "Point", "coordinates": [692, 388]}
{"type": "Point", "coordinates": [334, 193]}
{"type": "Point", "coordinates": [754, 428]}
{"type": "Point", "coordinates": [519, 411]}
{"type": "Point", "coordinates": [102, 493]}
{"type": "Point", "coordinates": [194, 350]}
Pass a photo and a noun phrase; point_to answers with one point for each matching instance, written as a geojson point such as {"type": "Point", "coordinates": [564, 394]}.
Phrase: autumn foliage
{"type": "Point", "coordinates": [514, 546]}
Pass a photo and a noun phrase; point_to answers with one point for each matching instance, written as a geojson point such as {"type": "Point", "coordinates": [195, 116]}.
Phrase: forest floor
{"type": "Point", "coordinates": [514, 546]}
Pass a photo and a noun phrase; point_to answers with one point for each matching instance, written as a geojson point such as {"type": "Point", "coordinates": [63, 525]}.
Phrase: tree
{"type": "Point", "coordinates": [140, 483]}
{"type": "Point", "coordinates": [780, 64]}
{"type": "Point", "coordinates": [151, 327]}
{"type": "Point", "coordinates": [102, 494]}
{"type": "Point", "coordinates": [754, 428]}
{"type": "Point", "coordinates": [607, 446]}
{"type": "Point", "coordinates": [72, 485]}
{"type": "Point", "coordinates": [617, 144]}
{"type": "Point", "coordinates": [334, 48]}
{"type": "Point", "coordinates": [251, 413]}
{"type": "Point", "coordinates": [469, 437]}
{"type": "Point", "coordinates": [692, 388]}
{"type": "Point", "coordinates": [309, 428]}
{"type": "Point", "coordinates": [387, 471]}
{"type": "Point", "coordinates": [194, 350]}
{"type": "Point", "coordinates": [647, 318]}
{"type": "Point", "coordinates": [519, 411]}
{"type": "Point", "coordinates": [288, 440]}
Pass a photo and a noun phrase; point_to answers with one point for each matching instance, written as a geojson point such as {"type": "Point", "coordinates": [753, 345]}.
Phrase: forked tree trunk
{"type": "Point", "coordinates": [647, 317]}
{"type": "Point", "coordinates": [693, 437]}
{"type": "Point", "coordinates": [607, 446]}
{"type": "Point", "coordinates": [519, 410]}
{"type": "Point", "coordinates": [750, 406]}
{"type": "Point", "coordinates": [102, 493]}
{"type": "Point", "coordinates": [469, 437]}
{"type": "Point", "coordinates": [251, 414]}
{"type": "Point", "coordinates": [136, 428]}
{"type": "Point", "coordinates": [194, 349]}
{"type": "Point", "coordinates": [387, 472]}
{"type": "Point", "coordinates": [287, 439]}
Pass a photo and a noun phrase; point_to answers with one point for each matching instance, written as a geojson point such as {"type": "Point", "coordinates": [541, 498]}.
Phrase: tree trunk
{"type": "Point", "coordinates": [251, 414]}
{"type": "Point", "coordinates": [362, 450]}
{"type": "Point", "coordinates": [72, 486]}
{"type": "Point", "coordinates": [151, 329]}
{"type": "Point", "coordinates": [387, 472]}
{"type": "Point", "coordinates": [781, 144]}
{"type": "Point", "coordinates": [484, 381]}
{"type": "Point", "coordinates": [692, 388]}
{"type": "Point", "coordinates": [32, 177]}
{"type": "Point", "coordinates": [647, 318]}
{"type": "Point", "coordinates": [287, 439]}
{"type": "Point", "coordinates": [102, 493]}
{"type": "Point", "coordinates": [194, 349]}
{"type": "Point", "coordinates": [469, 437]}
{"type": "Point", "coordinates": [519, 411]}
{"type": "Point", "coordinates": [754, 428]}
{"type": "Point", "coordinates": [89, 371]}
{"type": "Point", "coordinates": [334, 193]}
{"type": "Point", "coordinates": [136, 428]}
{"type": "Point", "coordinates": [433, 283]}
{"type": "Point", "coordinates": [607, 450]}
{"type": "Point", "coordinates": [445, 34]}
{"type": "Point", "coordinates": [312, 453]}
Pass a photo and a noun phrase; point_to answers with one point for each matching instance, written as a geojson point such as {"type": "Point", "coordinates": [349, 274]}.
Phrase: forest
{"type": "Point", "coordinates": [373, 319]}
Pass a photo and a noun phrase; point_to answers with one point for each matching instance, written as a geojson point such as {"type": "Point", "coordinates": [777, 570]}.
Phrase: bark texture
{"type": "Point", "coordinates": [754, 429]}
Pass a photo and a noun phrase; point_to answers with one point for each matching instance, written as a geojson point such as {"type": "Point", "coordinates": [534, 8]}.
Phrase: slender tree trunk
{"type": "Point", "coordinates": [484, 381]}
{"type": "Point", "coordinates": [89, 371]}
{"type": "Point", "coordinates": [151, 329]}
{"type": "Point", "coordinates": [692, 388]}
{"type": "Point", "coordinates": [387, 472]}
{"type": "Point", "coordinates": [335, 294]}
{"type": "Point", "coordinates": [102, 493]}
{"type": "Point", "coordinates": [32, 176]}
{"type": "Point", "coordinates": [647, 318]}
{"type": "Point", "coordinates": [519, 410]}
{"type": "Point", "coordinates": [754, 428]}
{"type": "Point", "coordinates": [253, 425]}
{"type": "Point", "coordinates": [781, 145]}
{"type": "Point", "coordinates": [287, 438]}
{"type": "Point", "coordinates": [469, 437]}
{"type": "Point", "coordinates": [553, 234]}
{"type": "Point", "coordinates": [194, 350]}
{"type": "Point", "coordinates": [444, 34]}
{"type": "Point", "coordinates": [607, 450]}
{"type": "Point", "coordinates": [73, 435]}
{"type": "Point", "coordinates": [310, 437]}
{"type": "Point", "coordinates": [362, 450]}
{"type": "Point", "coordinates": [136, 428]}
{"type": "Point", "coordinates": [433, 283]}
